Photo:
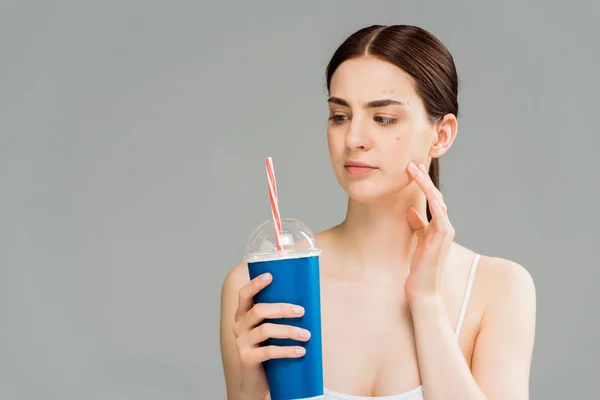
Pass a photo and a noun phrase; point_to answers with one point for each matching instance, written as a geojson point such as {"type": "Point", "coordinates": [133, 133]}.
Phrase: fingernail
{"type": "Point", "coordinates": [300, 350]}
{"type": "Point", "coordinates": [412, 166]}
{"type": "Point", "coordinates": [265, 277]}
{"type": "Point", "coordinates": [304, 334]}
{"type": "Point", "coordinates": [298, 309]}
{"type": "Point", "coordinates": [422, 167]}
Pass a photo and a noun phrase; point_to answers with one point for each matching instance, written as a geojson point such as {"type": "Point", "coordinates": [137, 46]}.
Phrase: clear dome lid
{"type": "Point", "coordinates": [297, 240]}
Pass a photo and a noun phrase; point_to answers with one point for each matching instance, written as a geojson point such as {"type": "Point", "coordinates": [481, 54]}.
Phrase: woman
{"type": "Point", "coordinates": [406, 311]}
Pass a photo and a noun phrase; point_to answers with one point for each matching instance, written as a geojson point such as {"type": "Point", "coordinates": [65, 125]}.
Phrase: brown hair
{"type": "Point", "coordinates": [418, 53]}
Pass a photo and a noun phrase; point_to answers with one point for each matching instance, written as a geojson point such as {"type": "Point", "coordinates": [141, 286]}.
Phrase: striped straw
{"type": "Point", "coordinates": [274, 202]}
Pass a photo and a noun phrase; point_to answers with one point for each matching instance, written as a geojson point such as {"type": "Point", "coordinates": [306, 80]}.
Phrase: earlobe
{"type": "Point", "coordinates": [446, 130]}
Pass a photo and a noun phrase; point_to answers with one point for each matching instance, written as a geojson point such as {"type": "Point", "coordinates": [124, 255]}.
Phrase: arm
{"type": "Point", "coordinates": [503, 348]}
{"type": "Point", "coordinates": [242, 332]}
{"type": "Point", "coordinates": [229, 354]}
{"type": "Point", "coordinates": [231, 298]}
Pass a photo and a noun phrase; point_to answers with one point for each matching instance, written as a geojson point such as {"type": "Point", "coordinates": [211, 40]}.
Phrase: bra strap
{"type": "Point", "coordinates": [463, 309]}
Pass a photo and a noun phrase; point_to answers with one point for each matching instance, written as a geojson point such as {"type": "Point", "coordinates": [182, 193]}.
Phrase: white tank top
{"type": "Point", "coordinates": [416, 393]}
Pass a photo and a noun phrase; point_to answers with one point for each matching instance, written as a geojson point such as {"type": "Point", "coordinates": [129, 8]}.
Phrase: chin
{"type": "Point", "coordinates": [365, 192]}
{"type": "Point", "coordinates": [372, 190]}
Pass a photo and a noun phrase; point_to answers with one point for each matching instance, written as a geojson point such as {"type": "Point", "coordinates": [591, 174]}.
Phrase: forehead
{"type": "Point", "coordinates": [368, 78]}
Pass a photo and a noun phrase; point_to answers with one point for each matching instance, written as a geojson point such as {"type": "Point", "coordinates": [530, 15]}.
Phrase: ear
{"type": "Point", "coordinates": [446, 129]}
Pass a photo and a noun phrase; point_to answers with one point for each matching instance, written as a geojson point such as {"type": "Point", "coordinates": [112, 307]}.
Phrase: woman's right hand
{"type": "Point", "coordinates": [250, 332]}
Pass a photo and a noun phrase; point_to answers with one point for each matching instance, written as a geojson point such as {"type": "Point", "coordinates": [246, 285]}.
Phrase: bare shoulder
{"type": "Point", "coordinates": [509, 297]}
{"type": "Point", "coordinates": [324, 237]}
{"type": "Point", "coordinates": [502, 284]}
{"type": "Point", "coordinates": [505, 277]}
{"type": "Point", "coordinates": [494, 268]}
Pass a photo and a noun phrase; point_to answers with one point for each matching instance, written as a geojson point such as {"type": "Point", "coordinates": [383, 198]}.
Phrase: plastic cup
{"type": "Point", "coordinates": [296, 280]}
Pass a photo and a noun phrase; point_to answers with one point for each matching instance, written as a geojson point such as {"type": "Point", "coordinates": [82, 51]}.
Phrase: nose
{"type": "Point", "coordinates": [357, 137]}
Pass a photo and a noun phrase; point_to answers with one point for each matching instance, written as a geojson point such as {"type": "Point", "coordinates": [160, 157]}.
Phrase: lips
{"type": "Point", "coordinates": [358, 164]}
{"type": "Point", "coordinates": [358, 168]}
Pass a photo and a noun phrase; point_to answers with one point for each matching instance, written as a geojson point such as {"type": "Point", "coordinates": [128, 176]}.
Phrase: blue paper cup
{"type": "Point", "coordinates": [296, 280]}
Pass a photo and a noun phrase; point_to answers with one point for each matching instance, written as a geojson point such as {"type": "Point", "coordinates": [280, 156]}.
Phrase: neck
{"type": "Point", "coordinates": [377, 236]}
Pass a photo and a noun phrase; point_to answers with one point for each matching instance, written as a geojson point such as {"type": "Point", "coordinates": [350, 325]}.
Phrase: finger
{"type": "Point", "coordinates": [435, 189]}
{"type": "Point", "coordinates": [249, 290]}
{"type": "Point", "coordinates": [257, 355]}
{"type": "Point", "coordinates": [262, 311]}
{"type": "Point", "coordinates": [277, 331]}
{"type": "Point", "coordinates": [439, 219]}
{"type": "Point", "coordinates": [416, 222]}
{"type": "Point", "coordinates": [426, 184]}
{"type": "Point", "coordinates": [431, 186]}
{"type": "Point", "coordinates": [444, 232]}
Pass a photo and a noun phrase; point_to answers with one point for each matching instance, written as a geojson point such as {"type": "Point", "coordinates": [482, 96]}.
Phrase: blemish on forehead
{"type": "Point", "coordinates": [391, 90]}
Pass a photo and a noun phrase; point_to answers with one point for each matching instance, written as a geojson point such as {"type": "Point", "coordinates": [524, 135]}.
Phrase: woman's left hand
{"type": "Point", "coordinates": [433, 239]}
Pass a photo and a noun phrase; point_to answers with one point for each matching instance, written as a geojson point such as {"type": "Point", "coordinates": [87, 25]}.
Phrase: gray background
{"type": "Point", "coordinates": [132, 138]}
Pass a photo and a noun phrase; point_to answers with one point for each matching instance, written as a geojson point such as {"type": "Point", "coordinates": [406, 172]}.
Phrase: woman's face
{"type": "Point", "coordinates": [376, 118]}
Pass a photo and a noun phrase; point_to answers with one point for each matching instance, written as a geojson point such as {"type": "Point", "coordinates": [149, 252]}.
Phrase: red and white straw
{"type": "Point", "coordinates": [274, 202]}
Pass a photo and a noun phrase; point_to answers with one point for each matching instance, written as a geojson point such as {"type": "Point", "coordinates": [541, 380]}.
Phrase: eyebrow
{"type": "Point", "coordinates": [370, 104]}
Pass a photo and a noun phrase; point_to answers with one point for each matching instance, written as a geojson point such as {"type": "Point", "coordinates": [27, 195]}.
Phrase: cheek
{"type": "Point", "coordinates": [402, 141]}
{"type": "Point", "coordinates": [335, 144]}
{"type": "Point", "coordinates": [330, 139]}
{"type": "Point", "coordinates": [404, 147]}
{"type": "Point", "coordinates": [402, 132]}
{"type": "Point", "coordinates": [410, 142]}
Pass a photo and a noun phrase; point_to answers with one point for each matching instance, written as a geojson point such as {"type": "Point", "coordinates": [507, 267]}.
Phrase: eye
{"type": "Point", "coordinates": [338, 119]}
{"type": "Point", "coordinates": [385, 121]}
